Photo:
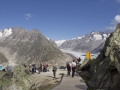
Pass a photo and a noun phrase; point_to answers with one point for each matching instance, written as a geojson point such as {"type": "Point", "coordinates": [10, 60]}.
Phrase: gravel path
{"type": "Point", "coordinates": [69, 83]}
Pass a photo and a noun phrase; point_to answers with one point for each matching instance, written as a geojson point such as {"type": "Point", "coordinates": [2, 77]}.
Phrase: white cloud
{"type": "Point", "coordinates": [116, 19]}
{"type": "Point", "coordinates": [118, 1]}
{"type": "Point", "coordinates": [114, 22]}
{"type": "Point", "coordinates": [28, 16]}
{"type": "Point", "coordinates": [111, 27]}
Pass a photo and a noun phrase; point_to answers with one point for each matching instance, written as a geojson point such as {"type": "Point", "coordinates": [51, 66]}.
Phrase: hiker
{"type": "Point", "coordinates": [38, 68]}
{"type": "Point", "coordinates": [30, 68]}
{"type": "Point", "coordinates": [78, 60]}
{"type": "Point", "coordinates": [54, 71]}
{"type": "Point", "coordinates": [67, 63]}
{"type": "Point", "coordinates": [76, 67]}
{"type": "Point", "coordinates": [44, 67]}
{"type": "Point", "coordinates": [8, 68]}
{"type": "Point", "coordinates": [68, 68]}
{"type": "Point", "coordinates": [33, 68]}
{"type": "Point", "coordinates": [41, 67]}
{"type": "Point", "coordinates": [73, 68]}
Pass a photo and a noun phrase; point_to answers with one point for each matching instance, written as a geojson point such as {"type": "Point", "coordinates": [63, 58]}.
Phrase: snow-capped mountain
{"type": "Point", "coordinates": [5, 32]}
{"type": "Point", "coordinates": [18, 45]}
{"type": "Point", "coordinates": [88, 42]}
{"type": "Point", "coordinates": [59, 42]}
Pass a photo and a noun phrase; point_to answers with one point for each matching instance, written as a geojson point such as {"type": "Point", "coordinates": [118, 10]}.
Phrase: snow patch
{"type": "Point", "coordinates": [97, 37]}
{"type": "Point", "coordinates": [1, 34]}
{"type": "Point", "coordinates": [59, 42]}
{"type": "Point", "coordinates": [92, 32]}
{"type": "Point", "coordinates": [48, 38]}
{"type": "Point", "coordinates": [105, 36]}
{"type": "Point", "coordinates": [6, 33]}
{"type": "Point", "coordinates": [89, 39]}
{"type": "Point", "coordinates": [79, 37]}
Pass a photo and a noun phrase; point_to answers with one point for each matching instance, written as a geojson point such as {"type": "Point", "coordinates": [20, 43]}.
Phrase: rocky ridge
{"type": "Point", "coordinates": [21, 46]}
{"type": "Point", "coordinates": [90, 42]}
{"type": "Point", "coordinates": [104, 71]}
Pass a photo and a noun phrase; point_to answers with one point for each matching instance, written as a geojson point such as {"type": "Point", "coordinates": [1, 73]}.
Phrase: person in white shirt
{"type": "Point", "coordinates": [73, 68]}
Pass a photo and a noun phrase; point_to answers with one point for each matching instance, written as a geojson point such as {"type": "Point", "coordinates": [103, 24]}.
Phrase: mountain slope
{"type": "Point", "coordinates": [59, 42]}
{"type": "Point", "coordinates": [104, 71]}
{"type": "Point", "coordinates": [89, 42]}
{"type": "Point", "coordinates": [21, 46]}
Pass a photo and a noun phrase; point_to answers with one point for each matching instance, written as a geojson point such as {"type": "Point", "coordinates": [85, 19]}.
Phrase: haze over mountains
{"type": "Point", "coordinates": [92, 42]}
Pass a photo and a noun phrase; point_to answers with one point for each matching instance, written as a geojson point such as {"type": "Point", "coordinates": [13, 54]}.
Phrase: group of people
{"type": "Point", "coordinates": [43, 67]}
{"type": "Point", "coordinates": [72, 66]}
{"type": "Point", "coordinates": [39, 67]}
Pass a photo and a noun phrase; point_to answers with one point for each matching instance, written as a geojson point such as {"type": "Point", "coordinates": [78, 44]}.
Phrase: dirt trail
{"type": "Point", "coordinates": [46, 79]}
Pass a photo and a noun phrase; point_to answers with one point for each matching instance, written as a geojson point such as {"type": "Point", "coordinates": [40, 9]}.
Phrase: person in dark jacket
{"type": "Point", "coordinates": [54, 71]}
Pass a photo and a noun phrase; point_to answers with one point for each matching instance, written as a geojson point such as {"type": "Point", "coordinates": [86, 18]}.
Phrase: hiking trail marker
{"type": "Point", "coordinates": [88, 55]}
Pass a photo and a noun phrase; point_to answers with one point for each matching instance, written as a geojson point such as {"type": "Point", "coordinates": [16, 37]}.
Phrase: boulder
{"type": "Point", "coordinates": [103, 73]}
{"type": "Point", "coordinates": [15, 79]}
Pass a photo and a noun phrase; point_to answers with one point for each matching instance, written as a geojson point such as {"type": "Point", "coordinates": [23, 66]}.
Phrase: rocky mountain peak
{"type": "Point", "coordinates": [5, 32]}
{"type": "Point", "coordinates": [118, 26]}
{"type": "Point", "coordinates": [92, 42]}
{"type": "Point", "coordinates": [26, 46]}
{"type": "Point", "coordinates": [117, 30]}
{"type": "Point", "coordinates": [104, 71]}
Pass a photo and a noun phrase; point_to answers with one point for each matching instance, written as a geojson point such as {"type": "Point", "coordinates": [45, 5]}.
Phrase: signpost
{"type": "Point", "coordinates": [88, 55]}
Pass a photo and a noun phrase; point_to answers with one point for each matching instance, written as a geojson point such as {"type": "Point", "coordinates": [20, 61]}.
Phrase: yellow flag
{"type": "Point", "coordinates": [88, 55]}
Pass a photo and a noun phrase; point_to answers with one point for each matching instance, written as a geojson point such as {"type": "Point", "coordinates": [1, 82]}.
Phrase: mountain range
{"type": "Point", "coordinates": [18, 46]}
{"type": "Point", "coordinates": [92, 42]}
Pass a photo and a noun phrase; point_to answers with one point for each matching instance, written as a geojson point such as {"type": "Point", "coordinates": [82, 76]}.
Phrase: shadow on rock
{"type": "Point", "coordinates": [81, 87]}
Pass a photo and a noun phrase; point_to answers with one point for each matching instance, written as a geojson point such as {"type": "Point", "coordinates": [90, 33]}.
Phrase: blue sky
{"type": "Point", "coordinates": [60, 19]}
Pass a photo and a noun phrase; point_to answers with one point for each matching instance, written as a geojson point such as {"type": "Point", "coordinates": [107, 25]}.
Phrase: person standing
{"type": "Point", "coordinates": [38, 68]}
{"type": "Point", "coordinates": [33, 68]}
{"type": "Point", "coordinates": [41, 67]}
{"type": "Point", "coordinates": [73, 68]}
{"type": "Point", "coordinates": [68, 68]}
{"type": "Point", "coordinates": [54, 71]}
{"type": "Point", "coordinates": [79, 60]}
{"type": "Point", "coordinates": [30, 68]}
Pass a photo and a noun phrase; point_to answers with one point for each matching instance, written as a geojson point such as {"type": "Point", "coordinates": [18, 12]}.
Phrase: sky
{"type": "Point", "coordinates": [60, 19]}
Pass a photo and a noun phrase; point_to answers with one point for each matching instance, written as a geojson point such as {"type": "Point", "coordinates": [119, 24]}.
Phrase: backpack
{"type": "Point", "coordinates": [68, 65]}
{"type": "Point", "coordinates": [54, 68]}
{"type": "Point", "coordinates": [38, 66]}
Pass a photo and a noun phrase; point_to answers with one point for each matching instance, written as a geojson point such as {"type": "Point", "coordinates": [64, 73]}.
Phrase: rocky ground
{"type": "Point", "coordinates": [46, 81]}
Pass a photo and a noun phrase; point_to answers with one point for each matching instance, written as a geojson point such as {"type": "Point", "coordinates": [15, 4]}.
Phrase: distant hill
{"type": "Point", "coordinates": [21, 46]}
